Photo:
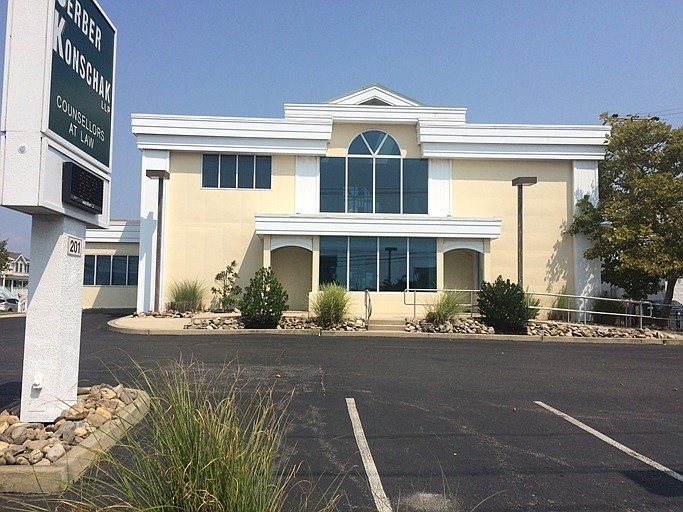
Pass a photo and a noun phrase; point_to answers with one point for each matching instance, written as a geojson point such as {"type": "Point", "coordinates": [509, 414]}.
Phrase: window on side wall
{"type": "Point", "coordinates": [373, 178]}
{"type": "Point", "coordinates": [107, 270]}
{"type": "Point", "coordinates": [236, 171]}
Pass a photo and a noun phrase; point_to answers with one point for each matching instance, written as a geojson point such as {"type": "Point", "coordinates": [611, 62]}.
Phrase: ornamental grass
{"type": "Point", "coordinates": [209, 443]}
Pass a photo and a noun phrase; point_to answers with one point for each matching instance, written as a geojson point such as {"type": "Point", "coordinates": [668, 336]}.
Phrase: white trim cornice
{"type": "Point", "coordinates": [567, 142]}
{"type": "Point", "coordinates": [374, 92]}
{"type": "Point", "coordinates": [377, 225]}
{"type": "Point", "coordinates": [247, 135]}
{"type": "Point", "coordinates": [374, 113]}
{"type": "Point", "coordinates": [119, 231]}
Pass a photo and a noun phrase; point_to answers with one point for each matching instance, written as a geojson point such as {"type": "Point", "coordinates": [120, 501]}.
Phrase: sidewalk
{"type": "Point", "coordinates": [152, 326]}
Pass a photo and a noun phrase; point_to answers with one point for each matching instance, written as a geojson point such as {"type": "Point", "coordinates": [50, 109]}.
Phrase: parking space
{"type": "Point", "coordinates": [549, 464]}
{"type": "Point", "coordinates": [454, 425]}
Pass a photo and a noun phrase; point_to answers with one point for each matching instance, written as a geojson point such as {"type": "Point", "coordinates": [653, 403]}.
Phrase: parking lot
{"type": "Point", "coordinates": [418, 424]}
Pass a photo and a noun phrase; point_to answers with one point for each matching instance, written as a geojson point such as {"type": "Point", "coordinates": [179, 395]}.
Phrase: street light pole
{"type": "Point", "coordinates": [520, 183]}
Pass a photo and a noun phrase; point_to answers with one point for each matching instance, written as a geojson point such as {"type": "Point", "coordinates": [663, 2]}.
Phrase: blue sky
{"type": "Point", "coordinates": [545, 62]}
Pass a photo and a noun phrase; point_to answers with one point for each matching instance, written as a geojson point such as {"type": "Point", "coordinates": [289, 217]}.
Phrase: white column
{"type": "Point", "coordinates": [266, 251]}
{"type": "Point", "coordinates": [586, 272]}
{"type": "Point", "coordinates": [53, 320]}
{"type": "Point", "coordinates": [439, 188]}
{"type": "Point", "coordinates": [307, 185]}
{"type": "Point", "coordinates": [440, 264]}
{"type": "Point", "coordinates": [149, 194]}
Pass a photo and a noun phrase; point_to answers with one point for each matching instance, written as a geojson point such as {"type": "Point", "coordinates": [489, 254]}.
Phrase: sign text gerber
{"type": "Point", "coordinates": [81, 86]}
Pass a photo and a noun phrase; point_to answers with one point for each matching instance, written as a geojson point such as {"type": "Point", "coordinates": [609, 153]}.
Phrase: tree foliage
{"type": "Point", "coordinates": [4, 256]}
{"type": "Point", "coordinates": [641, 195]}
{"type": "Point", "coordinates": [226, 291]}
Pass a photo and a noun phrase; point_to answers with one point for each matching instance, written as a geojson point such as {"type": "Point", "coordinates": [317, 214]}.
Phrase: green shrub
{"type": "Point", "coordinates": [226, 292]}
{"type": "Point", "coordinates": [186, 295]}
{"type": "Point", "coordinates": [210, 442]}
{"type": "Point", "coordinates": [504, 306]}
{"type": "Point", "coordinates": [263, 301]}
{"type": "Point", "coordinates": [601, 305]}
{"type": "Point", "coordinates": [331, 305]}
{"type": "Point", "coordinates": [445, 308]}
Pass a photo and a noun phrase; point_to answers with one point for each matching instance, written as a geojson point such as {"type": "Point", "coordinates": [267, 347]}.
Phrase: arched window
{"type": "Point", "coordinates": [373, 178]}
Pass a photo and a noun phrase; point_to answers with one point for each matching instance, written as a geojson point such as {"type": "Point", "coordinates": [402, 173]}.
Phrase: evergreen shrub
{"type": "Point", "coordinates": [264, 301]}
{"type": "Point", "coordinates": [504, 306]}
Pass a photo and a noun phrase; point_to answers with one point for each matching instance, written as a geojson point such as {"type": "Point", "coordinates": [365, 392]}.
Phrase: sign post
{"type": "Point", "coordinates": [58, 104]}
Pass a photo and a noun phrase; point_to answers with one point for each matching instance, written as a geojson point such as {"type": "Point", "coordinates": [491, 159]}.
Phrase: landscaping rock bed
{"type": "Point", "coordinates": [218, 322]}
{"type": "Point", "coordinates": [592, 331]}
{"type": "Point", "coordinates": [286, 323]}
{"type": "Point", "coordinates": [163, 314]}
{"type": "Point", "coordinates": [552, 329]}
{"type": "Point", "coordinates": [42, 444]}
{"type": "Point", "coordinates": [457, 326]}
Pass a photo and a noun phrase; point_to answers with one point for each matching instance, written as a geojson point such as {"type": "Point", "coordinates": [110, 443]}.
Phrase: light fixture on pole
{"type": "Point", "coordinates": [160, 175]}
{"type": "Point", "coordinates": [520, 183]}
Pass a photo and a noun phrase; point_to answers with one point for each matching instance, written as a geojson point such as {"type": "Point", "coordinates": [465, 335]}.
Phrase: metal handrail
{"type": "Point", "coordinates": [582, 301]}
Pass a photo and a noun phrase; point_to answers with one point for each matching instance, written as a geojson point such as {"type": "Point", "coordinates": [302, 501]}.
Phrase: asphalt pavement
{"type": "Point", "coordinates": [446, 423]}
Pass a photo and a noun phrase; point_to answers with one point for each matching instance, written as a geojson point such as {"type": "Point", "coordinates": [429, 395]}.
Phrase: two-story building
{"type": "Point", "coordinates": [15, 277]}
{"type": "Point", "coordinates": [372, 190]}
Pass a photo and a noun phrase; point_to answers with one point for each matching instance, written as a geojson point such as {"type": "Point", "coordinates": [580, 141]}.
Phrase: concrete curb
{"type": "Point", "coordinates": [54, 478]}
{"type": "Point", "coordinates": [114, 326]}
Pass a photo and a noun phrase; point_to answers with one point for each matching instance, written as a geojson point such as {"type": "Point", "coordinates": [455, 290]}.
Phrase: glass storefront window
{"type": "Point", "coordinates": [393, 264]}
{"type": "Point", "coordinates": [422, 270]}
{"type": "Point", "coordinates": [384, 264]}
{"type": "Point", "coordinates": [362, 264]}
{"type": "Point", "coordinates": [333, 259]}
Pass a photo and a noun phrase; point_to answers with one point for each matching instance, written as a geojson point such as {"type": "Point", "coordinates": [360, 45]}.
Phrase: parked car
{"type": "Point", "coordinates": [9, 304]}
{"type": "Point", "coordinates": [656, 311]}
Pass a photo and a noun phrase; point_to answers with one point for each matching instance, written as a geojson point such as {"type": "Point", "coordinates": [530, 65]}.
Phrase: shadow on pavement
{"type": "Point", "coordinates": [656, 482]}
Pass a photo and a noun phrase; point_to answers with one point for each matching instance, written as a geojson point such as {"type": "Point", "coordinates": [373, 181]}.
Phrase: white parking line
{"type": "Point", "coordinates": [376, 488]}
{"type": "Point", "coordinates": [614, 443]}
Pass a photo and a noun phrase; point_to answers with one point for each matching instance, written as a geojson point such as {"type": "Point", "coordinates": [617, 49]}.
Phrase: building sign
{"type": "Point", "coordinates": [82, 77]}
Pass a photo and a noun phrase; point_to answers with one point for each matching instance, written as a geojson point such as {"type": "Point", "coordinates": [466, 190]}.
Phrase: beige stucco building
{"type": "Point", "coordinates": [110, 275]}
{"type": "Point", "coordinates": [372, 190]}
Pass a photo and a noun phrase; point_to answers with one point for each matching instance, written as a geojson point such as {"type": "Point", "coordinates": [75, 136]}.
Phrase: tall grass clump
{"type": "Point", "coordinates": [331, 305]}
{"type": "Point", "coordinates": [186, 295]}
{"type": "Point", "coordinates": [445, 308]}
{"type": "Point", "coordinates": [209, 443]}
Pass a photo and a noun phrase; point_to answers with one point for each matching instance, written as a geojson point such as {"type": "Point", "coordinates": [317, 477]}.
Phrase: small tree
{"type": "Point", "coordinates": [226, 291]}
{"type": "Point", "coordinates": [263, 301]}
{"type": "Point", "coordinates": [641, 186]}
{"type": "Point", "coordinates": [4, 257]}
{"type": "Point", "coordinates": [504, 306]}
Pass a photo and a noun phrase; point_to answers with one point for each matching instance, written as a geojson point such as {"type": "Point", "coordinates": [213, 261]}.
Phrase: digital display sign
{"type": "Point", "coordinates": [81, 188]}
